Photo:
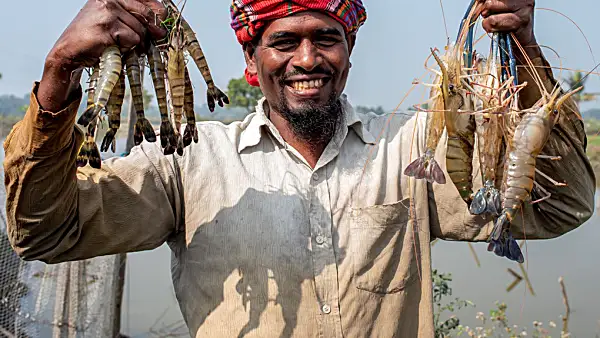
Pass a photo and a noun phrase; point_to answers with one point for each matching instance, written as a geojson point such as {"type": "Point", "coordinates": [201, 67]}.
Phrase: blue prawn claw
{"type": "Point", "coordinates": [479, 204]}
{"type": "Point", "coordinates": [502, 242]}
{"type": "Point", "coordinates": [486, 200]}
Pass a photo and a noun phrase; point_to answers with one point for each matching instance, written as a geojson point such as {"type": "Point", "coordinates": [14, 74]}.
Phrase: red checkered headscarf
{"type": "Point", "coordinates": [249, 16]}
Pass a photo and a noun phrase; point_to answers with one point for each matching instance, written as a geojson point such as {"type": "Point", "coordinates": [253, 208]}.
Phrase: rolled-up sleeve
{"type": "Point", "coordinates": [57, 212]}
{"type": "Point", "coordinates": [568, 206]}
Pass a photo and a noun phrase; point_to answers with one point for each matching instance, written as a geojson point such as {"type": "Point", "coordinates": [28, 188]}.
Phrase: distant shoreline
{"type": "Point", "coordinates": [593, 147]}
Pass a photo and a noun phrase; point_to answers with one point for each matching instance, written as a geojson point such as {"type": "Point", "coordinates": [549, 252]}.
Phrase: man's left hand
{"type": "Point", "coordinates": [514, 16]}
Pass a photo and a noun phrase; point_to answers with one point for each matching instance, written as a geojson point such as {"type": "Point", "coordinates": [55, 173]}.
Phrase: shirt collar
{"type": "Point", "coordinates": [253, 124]}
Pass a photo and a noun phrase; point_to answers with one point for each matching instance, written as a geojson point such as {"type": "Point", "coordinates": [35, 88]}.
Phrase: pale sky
{"type": "Point", "coordinates": [390, 51]}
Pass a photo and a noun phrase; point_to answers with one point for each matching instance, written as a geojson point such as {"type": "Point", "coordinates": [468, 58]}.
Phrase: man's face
{"type": "Point", "coordinates": [302, 62]}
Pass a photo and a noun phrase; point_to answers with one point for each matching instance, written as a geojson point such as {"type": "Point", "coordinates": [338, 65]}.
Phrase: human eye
{"type": "Point", "coordinates": [283, 44]}
{"type": "Point", "coordinates": [327, 41]}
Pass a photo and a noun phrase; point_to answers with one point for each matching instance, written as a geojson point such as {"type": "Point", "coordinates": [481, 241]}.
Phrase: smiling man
{"type": "Point", "coordinates": [292, 223]}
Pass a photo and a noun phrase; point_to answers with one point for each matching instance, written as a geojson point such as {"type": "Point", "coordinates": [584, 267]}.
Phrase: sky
{"type": "Point", "coordinates": [390, 52]}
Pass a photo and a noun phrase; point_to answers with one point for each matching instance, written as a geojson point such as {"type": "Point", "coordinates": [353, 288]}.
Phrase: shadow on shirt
{"type": "Point", "coordinates": [257, 241]}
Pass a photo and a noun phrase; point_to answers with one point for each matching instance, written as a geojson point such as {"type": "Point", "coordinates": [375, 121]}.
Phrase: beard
{"type": "Point", "coordinates": [313, 123]}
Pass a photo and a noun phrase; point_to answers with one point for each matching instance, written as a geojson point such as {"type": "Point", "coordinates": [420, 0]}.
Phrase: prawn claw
{"type": "Point", "coordinates": [479, 204]}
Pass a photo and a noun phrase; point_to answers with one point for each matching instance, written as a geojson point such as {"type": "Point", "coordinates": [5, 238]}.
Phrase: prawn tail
{"type": "Point", "coordinates": [146, 129]}
{"type": "Point", "coordinates": [416, 169]}
{"type": "Point", "coordinates": [179, 145]}
{"type": "Point", "coordinates": [501, 241]}
{"type": "Point", "coordinates": [143, 129]}
{"type": "Point", "coordinates": [190, 133]}
{"type": "Point", "coordinates": [167, 134]}
{"type": "Point", "coordinates": [214, 94]}
{"type": "Point", "coordinates": [108, 139]}
{"type": "Point", "coordinates": [94, 155]}
{"type": "Point", "coordinates": [82, 156]}
{"type": "Point", "coordinates": [434, 173]}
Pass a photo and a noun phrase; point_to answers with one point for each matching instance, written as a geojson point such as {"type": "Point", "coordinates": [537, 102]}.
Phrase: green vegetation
{"type": "Point", "coordinates": [496, 324]}
{"type": "Point", "coordinates": [243, 95]}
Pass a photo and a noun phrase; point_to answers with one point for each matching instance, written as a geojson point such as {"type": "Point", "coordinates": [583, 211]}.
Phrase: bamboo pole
{"type": "Point", "coordinates": [565, 319]}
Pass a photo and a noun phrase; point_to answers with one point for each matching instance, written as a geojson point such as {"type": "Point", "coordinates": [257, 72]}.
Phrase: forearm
{"type": "Point", "coordinates": [40, 174]}
{"type": "Point", "coordinates": [57, 212]}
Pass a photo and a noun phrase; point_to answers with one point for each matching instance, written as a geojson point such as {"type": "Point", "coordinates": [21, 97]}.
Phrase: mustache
{"type": "Point", "coordinates": [298, 71]}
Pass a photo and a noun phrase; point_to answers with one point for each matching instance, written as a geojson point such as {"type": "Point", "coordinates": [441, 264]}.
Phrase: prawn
{"type": "Point", "coordinates": [426, 166]}
{"type": "Point", "coordinates": [88, 151]}
{"type": "Point", "coordinates": [158, 71]}
{"type": "Point", "coordinates": [176, 77]}
{"type": "Point", "coordinates": [143, 127]}
{"type": "Point", "coordinates": [113, 110]}
{"type": "Point", "coordinates": [530, 136]}
{"type": "Point", "coordinates": [110, 70]}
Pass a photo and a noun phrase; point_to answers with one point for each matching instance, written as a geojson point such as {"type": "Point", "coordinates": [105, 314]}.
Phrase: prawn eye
{"type": "Point", "coordinates": [451, 87]}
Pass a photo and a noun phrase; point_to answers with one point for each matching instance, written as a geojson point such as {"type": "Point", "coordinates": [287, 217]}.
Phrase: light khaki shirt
{"type": "Point", "coordinates": [263, 245]}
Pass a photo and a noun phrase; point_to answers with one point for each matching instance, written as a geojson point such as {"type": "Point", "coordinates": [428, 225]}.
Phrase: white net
{"type": "Point", "coordinates": [74, 299]}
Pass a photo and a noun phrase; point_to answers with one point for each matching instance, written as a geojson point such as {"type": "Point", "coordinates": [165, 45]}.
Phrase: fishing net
{"type": "Point", "coordinates": [74, 299]}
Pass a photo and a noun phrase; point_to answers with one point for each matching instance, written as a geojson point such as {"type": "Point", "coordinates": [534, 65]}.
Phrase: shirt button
{"type": "Point", "coordinates": [320, 239]}
{"type": "Point", "coordinates": [315, 177]}
{"type": "Point", "coordinates": [326, 309]}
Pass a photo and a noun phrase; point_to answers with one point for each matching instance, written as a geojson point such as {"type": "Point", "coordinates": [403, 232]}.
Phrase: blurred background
{"type": "Point", "coordinates": [390, 53]}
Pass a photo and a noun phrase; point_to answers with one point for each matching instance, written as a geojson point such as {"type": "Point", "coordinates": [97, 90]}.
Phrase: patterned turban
{"type": "Point", "coordinates": [249, 16]}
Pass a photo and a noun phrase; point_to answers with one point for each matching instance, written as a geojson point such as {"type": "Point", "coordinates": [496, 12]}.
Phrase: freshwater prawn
{"type": "Point", "coordinates": [110, 70]}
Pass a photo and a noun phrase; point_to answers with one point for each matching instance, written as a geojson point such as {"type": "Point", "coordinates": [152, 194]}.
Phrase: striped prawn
{"type": "Point", "coordinates": [143, 128]}
{"type": "Point", "coordinates": [88, 152]}
{"type": "Point", "coordinates": [113, 110]}
{"type": "Point", "coordinates": [110, 70]}
{"type": "Point", "coordinates": [158, 74]}
{"type": "Point", "coordinates": [176, 79]}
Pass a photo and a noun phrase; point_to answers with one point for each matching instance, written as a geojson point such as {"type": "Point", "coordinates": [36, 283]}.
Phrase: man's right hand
{"type": "Point", "coordinates": [99, 24]}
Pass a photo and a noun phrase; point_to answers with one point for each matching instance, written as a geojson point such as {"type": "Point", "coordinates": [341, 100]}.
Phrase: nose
{"type": "Point", "coordinates": [307, 56]}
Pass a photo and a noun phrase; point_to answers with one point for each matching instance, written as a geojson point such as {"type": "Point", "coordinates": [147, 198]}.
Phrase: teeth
{"type": "Point", "coordinates": [304, 85]}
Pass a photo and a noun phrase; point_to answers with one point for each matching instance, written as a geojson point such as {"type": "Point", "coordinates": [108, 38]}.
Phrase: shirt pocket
{"type": "Point", "coordinates": [381, 248]}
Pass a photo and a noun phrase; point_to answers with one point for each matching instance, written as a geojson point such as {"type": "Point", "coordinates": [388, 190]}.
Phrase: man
{"type": "Point", "coordinates": [294, 222]}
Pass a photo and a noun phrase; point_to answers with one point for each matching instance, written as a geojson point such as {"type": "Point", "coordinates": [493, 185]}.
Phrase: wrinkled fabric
{"type": "Point", "coordinates": [262, 244]}
{"type": "Point", "coordinates": [249, 16]}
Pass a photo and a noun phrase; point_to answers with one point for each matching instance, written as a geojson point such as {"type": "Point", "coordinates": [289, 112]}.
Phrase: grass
{"type": "Point", "coordinates": [593, 140]}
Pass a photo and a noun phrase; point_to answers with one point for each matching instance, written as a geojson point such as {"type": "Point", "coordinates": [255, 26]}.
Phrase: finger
{"type": "Point", "coordinates": [125, 37]}
{"type": "Point", "coordinates": [146, 16]}
{"type": "Point", "coordinates": [492, 7]}
{"type": "Point", "coordinates": [157, 7]}
{"type": "Point", "coordinates": [503, 22]}
{"type": "Point", "coordinates": [133, 22]}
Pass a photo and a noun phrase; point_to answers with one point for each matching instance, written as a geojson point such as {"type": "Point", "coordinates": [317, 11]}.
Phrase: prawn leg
{"type": "Point", "coordinates": [191, 132]}
{"type": "Point", "coordinates": [143, 128]}
{"type": "Point", "coordinates": [213, 94]}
